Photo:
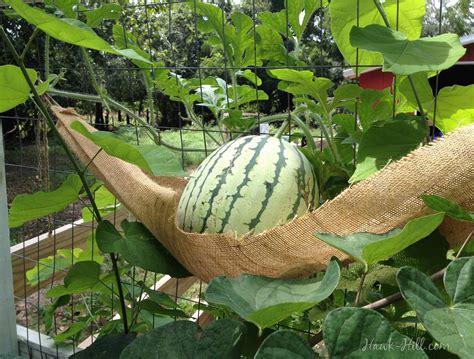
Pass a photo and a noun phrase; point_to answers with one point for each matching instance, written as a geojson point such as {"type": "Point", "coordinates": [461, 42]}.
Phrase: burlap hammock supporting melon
{"type": "Point", "coordinates": [384, 201]}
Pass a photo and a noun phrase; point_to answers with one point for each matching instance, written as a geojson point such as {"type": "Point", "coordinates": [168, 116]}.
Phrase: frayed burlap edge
{"type": "Point", "coordinates": [382, 202]}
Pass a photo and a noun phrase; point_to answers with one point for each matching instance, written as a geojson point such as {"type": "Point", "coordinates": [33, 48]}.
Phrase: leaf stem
{"type": "Point", "coordinates": [29, 43]}
{"type": "Point", "coordinates": [382, 12]}
{"type": "Point", "coordinates": [466, 241]}
{"type": "Point", "coordinates": [282, 129]}
{"type": "Point", "coordinates": [97, 87]}
{"type": "Point", "coordinates": [359, 289]}
{"type": "Point", "coordinates": [306, 131]}
{"type": "Point", "coordinates": [44, 111]}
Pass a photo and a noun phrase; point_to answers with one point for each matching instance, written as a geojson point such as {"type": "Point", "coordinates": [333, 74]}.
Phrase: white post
{"type": "Point", "coordinates": [8, 339]}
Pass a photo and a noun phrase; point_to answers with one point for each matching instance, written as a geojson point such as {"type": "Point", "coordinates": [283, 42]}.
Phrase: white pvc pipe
{"type": "Point", "coordinates": [8, 338]}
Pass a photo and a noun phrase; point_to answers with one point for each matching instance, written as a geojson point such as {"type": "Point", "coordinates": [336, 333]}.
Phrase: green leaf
{"type": "Point", "coordinates": [153, 307]}
{"type": "Point", "coordinates": [451, 209]}
{"type": "Point", "coordinates": [179, 340]}
{"type": "Point", "coordinates": [449, 322]}
{"type": "Point", "coordinates": [408, 14]}
{"type": "Point", "coordinates": [406, 57]}
{"type": "Point", "coordinates": [138, 247]}
{"type": "Point", "coordinates": [74, 330]}
{"type": "Point", "coordinates": [108, 346]}
{"type": "Point", "coordinates": [427, 255]}
{"type": "Point", "coordinates": [13, 86]}
{"type": "Point", "coordinates": [43, 87]}
{"type": "Point", "coordinates": [297, 12]}
{"type": "Point", "coordinates": [27, 207]}
{"type": "Point", "coordinates": [454, 107]}
{"type": "Point", "coordinates": [82, 276]}
{"type": "Point", "coordinates": [422, 87]}
{"type": "Point", "coordinates": [154, 159]}
{"type": "Point", "coordinates": [251, 76]}
{"type": "Point", "coordinates": [71, 31]}
{"type": "Point", "coordinates": [105, 201]}
{"type": "Point", "coordinates": [303, 83]}
{"type": "Point", "coordinates": [370, 248]}
{"type": "Point", "coordinates": [254, 299]}
{"type": "Point", "coordinates": [65, 7]}
{"type": "Point", "coordinates": [365, 333]}
{"type": "Point", "coordinates": [386, 142]}
{"type": "Point", "coordinates": [346, 92]}
{"type": "Point", "coordinates": [285, 344]}
{"type": "Point", "coordinates": [104, 12]}
{"type": "Point", "coordinates": [374, 106]}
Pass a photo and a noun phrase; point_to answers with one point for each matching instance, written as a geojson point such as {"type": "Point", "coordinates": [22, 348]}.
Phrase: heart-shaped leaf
{"type": "Point", "coordinates": [266, 301]}
{"type": "Point", "coordinates": [139, 247]}
{"type": "Point", "coordinates": [81, 277]}
{"type": "Point", "coordinates": [13, 86]}
{"type": "Point", "coordinates": [406, 57]}
{"type": "Point", "coordinates": [108, 346]}
{"type": "Point", "coordinates": [285, 344]}
{"type": "Point", "coordinates": [179, 340]}
{"type": "Point", "coordinates": [27, 207]}
{"type": "Point", "coordinates": [365, 333]}
{"type": "Point", "coordinates": [407, 14]}
{"type": "Point", "coordinates": [388, 141]}
{"type": "Point", "coordinates": [370, 248]}
{"type": "Point", "coordinates": [450, 322]}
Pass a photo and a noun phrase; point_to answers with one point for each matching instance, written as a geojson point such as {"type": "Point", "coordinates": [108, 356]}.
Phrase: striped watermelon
{"type": "Point", "coordinates": [250, 184]}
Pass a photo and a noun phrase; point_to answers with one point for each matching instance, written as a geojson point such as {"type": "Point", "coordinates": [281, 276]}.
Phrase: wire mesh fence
{"type": "Point", "coordinates": [174, 37]}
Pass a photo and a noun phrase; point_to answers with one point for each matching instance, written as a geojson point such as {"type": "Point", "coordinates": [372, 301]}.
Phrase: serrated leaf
{"type": "Point", "coordinates": [138, 247]}
{"type": "Point", "coordinates": [370, 248]}
{"type": "Point", "coordinates": [27, 207]}
{"type": "Point", "coordinates": [13, 86]}
{"type": "Point", "coordinates": [365, 333]}
{"type": "Point", "coordinates": [407, 14]}
{"type": "Point", "coordinates": [451, 209]}
{"type": "Point", "coordinates": [450, 323]}
{"type": "Point", "coordinates": [406, 57]}
{"type": "Point", "coordinates": [386, 142]}
{"type": "Point", "coordinates": [254, 298]}
{"type": "Point", "coordinates": [179, 340]}
{"type": "Point", "coordinates": [68, 30]}
{"type": "Point", "coordinates": [285, 344]}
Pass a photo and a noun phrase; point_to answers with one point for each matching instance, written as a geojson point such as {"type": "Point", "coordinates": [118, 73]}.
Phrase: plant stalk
{"type": "Point", "coordinates": [44, 111]}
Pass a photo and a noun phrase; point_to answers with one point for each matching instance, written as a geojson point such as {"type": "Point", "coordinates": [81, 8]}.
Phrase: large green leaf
{"type": "Point", "coordinates": [266, 301]}
{"type": "Point", "coordinates": [348, 13]}
{"type": "Point", "coordinates": [138, 247]}
{"type": "Point", "coordinates": [454, 107]}
{"type": "Point", "coordinates": [450, 322]}
{"type": "Point", "coordinates": [180, 340]}
{"type": "Point", "coordinates": [80, 278]}
{"type": "Point", "coordinates": [388, 141]}
{"type": "Point", "coordinates": [108, 346]}
{"type": "Point", "coordinates": [68, 30]}
{"type": "Point", "coordinates": [453, 210]}
{"type": "Point", "coordinates": [154, 159]}
{"type": "Point", "coordinates": [27, 207]}
{"type": "Point", "coordinates": [370, 248]}
{"type": "Point", "coordinates": [406, 57]}
{"type": "Point", "coordinates": [13, 86]}
{"type": "Point", "coordinates": [365, 333]}
{"type": "Point", "coordinates": [285, 344]}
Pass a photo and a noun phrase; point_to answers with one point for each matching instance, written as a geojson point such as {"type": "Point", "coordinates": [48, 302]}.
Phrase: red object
{"type": "Point", "coordinates": [376, 80]}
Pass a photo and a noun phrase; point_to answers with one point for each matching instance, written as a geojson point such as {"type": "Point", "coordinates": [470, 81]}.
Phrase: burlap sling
{"type": "Point", "coordinates": [384, 201]}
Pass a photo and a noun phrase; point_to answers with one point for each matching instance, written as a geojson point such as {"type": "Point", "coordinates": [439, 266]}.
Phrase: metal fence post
{"type": "Point", "coordinates": [8, 339]}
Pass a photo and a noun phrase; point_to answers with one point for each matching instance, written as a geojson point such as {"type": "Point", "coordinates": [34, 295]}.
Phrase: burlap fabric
{"type": "Point", "coordinates": [384, 201]}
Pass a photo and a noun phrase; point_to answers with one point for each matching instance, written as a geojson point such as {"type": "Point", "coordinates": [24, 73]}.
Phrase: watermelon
{"type": "Point", "coordinates": [248, 185]}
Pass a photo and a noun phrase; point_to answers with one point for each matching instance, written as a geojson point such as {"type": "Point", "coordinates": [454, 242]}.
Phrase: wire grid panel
{"type": "Point", "coordinates": [35, 161]}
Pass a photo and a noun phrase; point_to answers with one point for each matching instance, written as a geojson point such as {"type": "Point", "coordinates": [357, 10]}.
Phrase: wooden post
{"type": "Point", "coordinates": [8, 339]}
